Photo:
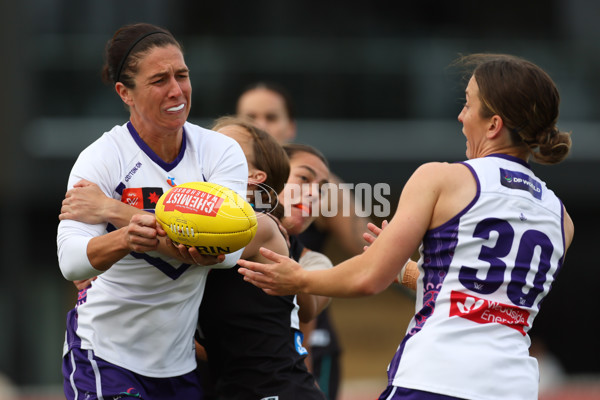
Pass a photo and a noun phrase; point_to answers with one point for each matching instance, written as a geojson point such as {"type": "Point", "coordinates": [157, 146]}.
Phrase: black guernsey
{"type": "Point", "coordinates": [252, 348]}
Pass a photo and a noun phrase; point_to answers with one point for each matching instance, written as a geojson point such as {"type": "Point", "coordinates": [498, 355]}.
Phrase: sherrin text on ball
{"type": "Point", "coordinates": [212, 218]}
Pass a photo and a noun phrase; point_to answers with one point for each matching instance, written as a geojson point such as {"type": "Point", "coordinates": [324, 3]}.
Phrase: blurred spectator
{"type": "Point", "coordinates": [7, 389]}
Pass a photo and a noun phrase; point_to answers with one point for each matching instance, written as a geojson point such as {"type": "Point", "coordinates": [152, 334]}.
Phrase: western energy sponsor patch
{"type": "Point", "coordinates": [484, 311]}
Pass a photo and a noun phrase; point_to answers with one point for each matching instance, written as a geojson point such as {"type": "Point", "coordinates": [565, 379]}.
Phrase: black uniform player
{"type": "Point", "coordinates": [255, 351]}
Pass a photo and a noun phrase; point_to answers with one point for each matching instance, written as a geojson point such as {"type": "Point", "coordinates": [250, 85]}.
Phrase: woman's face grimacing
{"type": "Point", "coordinates": [302, 192]}
{"type": "Point", "coordinates": [161, 98]}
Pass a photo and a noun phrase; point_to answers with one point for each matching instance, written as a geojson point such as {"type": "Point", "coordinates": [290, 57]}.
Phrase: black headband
{"type": "Point", "coordinates": [122, 63]}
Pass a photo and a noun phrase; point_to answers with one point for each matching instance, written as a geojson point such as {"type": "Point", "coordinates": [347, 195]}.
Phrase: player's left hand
{"type": "Point", "coordinates": [279, 279]}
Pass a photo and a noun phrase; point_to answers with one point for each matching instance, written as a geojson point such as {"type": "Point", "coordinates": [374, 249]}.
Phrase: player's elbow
{"type": "Point", "coordinates": [372, 280]}
{"type": "Point", "coordinates": [307, 307]}
{"type": "Point", "coordinates": [73, 260]}
{"type": "Point", "coordinates": [73, 271]}
{"type": "Point", "coordinates": [70, 274]}
{"type": "Point", "coordinates": [368, 287]}
{"type": "Point", "coordinates": [306, 316]}
{"type": "Point", "coordinates": [366, 290]}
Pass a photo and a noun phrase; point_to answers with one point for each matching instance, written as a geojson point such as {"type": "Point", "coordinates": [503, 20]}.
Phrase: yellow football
{"type": "Point", "coordinates": [212, 218]}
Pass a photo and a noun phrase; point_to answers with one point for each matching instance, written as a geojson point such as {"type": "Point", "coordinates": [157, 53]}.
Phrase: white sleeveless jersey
{"type": "Point", "coordinates": [141, 313]}
{"type": "Point", "coordinates": [483, 276]}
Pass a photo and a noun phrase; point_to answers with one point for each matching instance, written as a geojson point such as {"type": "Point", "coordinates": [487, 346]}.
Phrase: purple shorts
{"type": "Point", "coordinates": [399, 393]}
{"type": "Point", "coordinates": [87, 377]}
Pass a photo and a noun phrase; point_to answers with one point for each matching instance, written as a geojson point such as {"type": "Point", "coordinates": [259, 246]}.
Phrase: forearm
{"type": "Point", "coordinates": [119, 214]}
{"type": "Point", "coordinates": [103, 251]}
{"type": "Point", "coordinates": [352, 278]}
{"type": "Point", "coordinates": [308, 307]}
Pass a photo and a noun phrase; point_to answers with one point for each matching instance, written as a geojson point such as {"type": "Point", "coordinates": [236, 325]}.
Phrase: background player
{"type": "Point", "coordinates": [271, 108]}
{"type": "Point", "coordinates": [252, 340]}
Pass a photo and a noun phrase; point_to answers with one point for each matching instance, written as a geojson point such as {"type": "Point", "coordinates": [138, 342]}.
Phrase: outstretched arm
{"type": "Point", "coordinates": [409, 274]}
{"type": "Point", "coordinates": [373, 270]}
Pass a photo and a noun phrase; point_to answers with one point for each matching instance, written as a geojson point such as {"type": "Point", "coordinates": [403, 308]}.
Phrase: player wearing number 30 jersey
{"type": "Point", "coordinates": [482, 280]}
{"type": "Point", "coordinates": [492, 238]}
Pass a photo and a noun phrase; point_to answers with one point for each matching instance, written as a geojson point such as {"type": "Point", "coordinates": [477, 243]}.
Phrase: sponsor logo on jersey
{"type": "Point", "coordinates": [133, 170]}
{"type": "Point", "coordinates": [171, 181]}
{"type": "Point", "coordinates": [484, 311]}
{"type": "Point", "coordinates": [298, 339]}
{"type": "Point", "coordinates": [142, 198]}
{"type": "Point", "coordinates": [520, 181]}
{"type": "Point", "coordinates": [193, 201]}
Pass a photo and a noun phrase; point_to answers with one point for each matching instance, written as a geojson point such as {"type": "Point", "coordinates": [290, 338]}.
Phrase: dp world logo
{"type": "Point", "coordinates": [520, 181]}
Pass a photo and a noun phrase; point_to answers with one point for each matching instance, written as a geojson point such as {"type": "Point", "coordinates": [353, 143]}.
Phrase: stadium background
{"type": "Point", "coordinates": [372, 90]}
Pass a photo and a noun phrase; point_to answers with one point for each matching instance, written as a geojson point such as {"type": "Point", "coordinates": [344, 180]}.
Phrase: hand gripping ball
{"type": "Point", "coordinates": [212, 218]}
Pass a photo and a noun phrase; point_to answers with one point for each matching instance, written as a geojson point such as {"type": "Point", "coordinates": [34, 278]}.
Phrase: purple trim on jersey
{"type": "Point", "coordinates": [162, 265]}
{"type": "Point", "coordinates": [153, 156]}
{"type": "Point", "coordinates": [88, 377]}
{"type": "Point", "coordinates": [511, 158]}
{"type": "Point", "coordinates": [438, 250]}
{"type": "Point", "coordinates": [562, 226]}
{"type": "Point", "coordinates": [400, 393]}
{"type": "Point", "coordinates": [562, 259]}
{"type": "Point", "coordinates": [73, 341]}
